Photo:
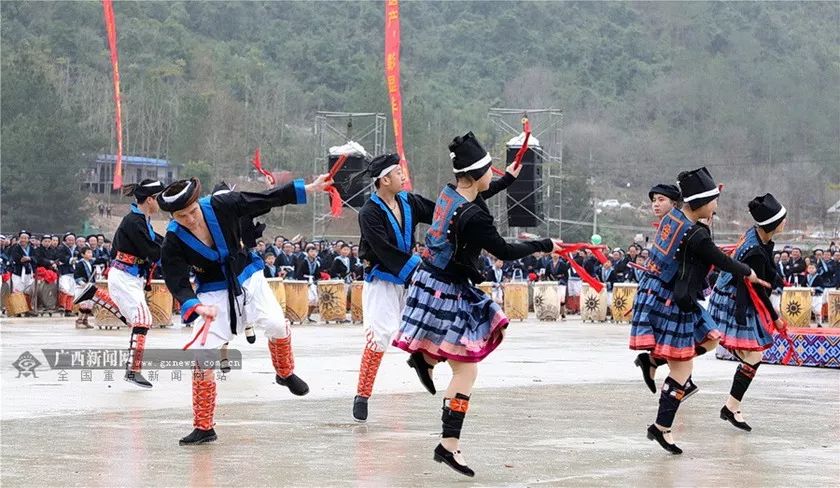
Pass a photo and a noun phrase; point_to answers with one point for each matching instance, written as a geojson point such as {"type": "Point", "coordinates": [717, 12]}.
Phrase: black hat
{"type": "Point", "coordinates": [28, 234]}
{"type": "Point", "coordinates": [697, 187]}
{"type": "Point", "coordinates": [669, 191]}
{"type": "Point", "coordinates": [46, 236]}
{"type": "Point", "coordinates": [468, 155]}
{"type": "Point", "coordinates": [179, 195]}
{"type": "Point", "coordinates": [767, 212]}
{"type": "Point", "coordinates": [64, 237]}
{"type": "Point", "coordinates": [382, 165]}
{"type": "Point", "coordinates": [144, 189]}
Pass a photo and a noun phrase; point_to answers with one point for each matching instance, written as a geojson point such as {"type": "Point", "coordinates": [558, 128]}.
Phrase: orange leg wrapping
{"type": "Point", "coordinates": [136, 346]}
{"type": "Point", "coordinates": [103, 298]}
{"type": "Point", "coordinates": [367, 372]}
{"type": "Point", "coordinates": [65, 301]}
{"type": "Point", "coordinates": [204, 398]}
{"type": "Point", "coordinates": [282, 356]}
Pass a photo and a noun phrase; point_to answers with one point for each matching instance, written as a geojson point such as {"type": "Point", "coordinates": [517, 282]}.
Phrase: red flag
{"type": "Point", "coordinates": [111, 29]}
{"type": "Point", "coordinates": [392, 79]}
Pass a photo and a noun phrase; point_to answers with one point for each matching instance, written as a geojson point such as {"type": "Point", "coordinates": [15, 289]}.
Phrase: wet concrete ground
{"type": "Point", "coordinates": [556, 405]}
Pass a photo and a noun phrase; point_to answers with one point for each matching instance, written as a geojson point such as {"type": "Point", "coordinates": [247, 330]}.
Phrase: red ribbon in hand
{"type": "Point", "coordinates": [766, 321]}
{"type": "Point", "coordinates": [202, 333]}
{"type": "Point", "coordinates": [336, 203]}
{"type": "Point", "coordinates": [258, 166]}
{"type": "Point", "coordinates": [569, 249]}
{"type": "Point", "coordinates": [526, 128]}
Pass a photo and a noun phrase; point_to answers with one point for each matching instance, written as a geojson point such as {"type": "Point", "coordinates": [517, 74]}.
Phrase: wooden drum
{"type": "Point", "coordinates": [160, 303]}
{"type": "Point", "coordinates": [547, 301]}
{"type": "Point", "coordinates": [796, 306]}
{"type": "Point", "coordinates": [833, 297]}
{"type": "Point", "coordinates": [516, 300]}
{"type": "Point", "coordinates": [297, 300]}
{"type": "Point", "coordinates": [623, 295]}
{"type": "Point", "coordinates": [356, 290]}
{"type": "Point", "coordinates": [279, 290]}
{"type": "Point", "coordinates": [486, 287]}
{"type": "Point", "coordinates": [593, 306]}
{"type": "Point", "coordinates": [332, 300]}
{"type": "Point", "coordinates": [16, 304]}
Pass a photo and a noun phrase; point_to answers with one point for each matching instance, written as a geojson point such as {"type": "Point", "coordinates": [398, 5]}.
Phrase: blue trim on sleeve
{"type": "Point", "coordinates": [300, 191]}
{"type": "Point", "coordinates": [186, 306]}
{"type": "Point", "coordinates": [409, 267]}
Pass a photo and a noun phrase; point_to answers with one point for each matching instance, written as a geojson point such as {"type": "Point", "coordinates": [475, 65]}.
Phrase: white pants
{"type": "Point", "coordinates": [127, 292]}
{"type": "Point", "coordinates": [23, 283]}
{"type": "Point", "coordinates": [383, 303]}
{"type": "Point", "coordinates": [776, 300]}
{"type": "Point", "coordinates": [817, 303]}
{"type": "Point", "coordinates": [256, 306]}
{"type": "Point", "coordinates": [561, 290]}
{"type": "Point", "coordinates": [67, 285]}
{"type": "Point", "coordinates": [575, 287]}
{"type": "Point", "coordinates": [498, 293]}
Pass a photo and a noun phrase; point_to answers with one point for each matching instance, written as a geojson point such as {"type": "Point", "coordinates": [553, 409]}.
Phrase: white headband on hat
{"type": "Point", "coordinates": [710, 193]}
{"type": "Point", "coordinates": [774, 218]}
{"type": "Point", "coordinates": [173, 198]}
{"type": "Point", "coordinates": [476, 165]}
{"type": "Point", "coordinates": [153, 183]}
{"type": "Point", "coordinates": [385, 171]}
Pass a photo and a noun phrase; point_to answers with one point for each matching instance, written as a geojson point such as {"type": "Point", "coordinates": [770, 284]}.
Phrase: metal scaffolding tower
{"type": "Point", "coordinates": [336, 129]}
{"type": "Point", "coordinates": [547, 127]}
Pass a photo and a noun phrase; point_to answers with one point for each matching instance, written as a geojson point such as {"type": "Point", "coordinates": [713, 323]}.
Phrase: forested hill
{"type": "Point", "coordinates": [749, 89]}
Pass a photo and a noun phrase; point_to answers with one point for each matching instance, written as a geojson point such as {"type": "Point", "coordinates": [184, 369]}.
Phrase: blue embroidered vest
{"type": "Point", "coordinates": [749, 241]}
{"type": "Point", "coordinates": [439, 249]}
{"type": "Point", "coordinates": [669, 236]}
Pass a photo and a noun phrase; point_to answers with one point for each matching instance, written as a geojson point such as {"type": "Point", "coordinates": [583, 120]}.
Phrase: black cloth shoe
{"type": "Point", "coordinates": [250, 335]}
{"type": "Point", "coordinates": [423, 370]}
{"type": "Point", "coordinates": [224, 365]}
{"type": "Point", "coordinates": [654, 434]}
{"type": "Point", "coordinates": [295, 385]}
{"type": "Point", "coordinates": [360, 410]}
{"type": "Point", "coordinates": [643, 361]}
{"type": "Point", "coordinates": [729, 415]}
{"type": "Point", "coordinates": [137, 378]}
{"type": "Point", "coordinates": [690, 389]}
{"type": "Point", "coordinates": [87, 293]}
{"type": "Point", "coordinates": [198, 436]}
{"type": "Point", "coordinates": [443, 455]}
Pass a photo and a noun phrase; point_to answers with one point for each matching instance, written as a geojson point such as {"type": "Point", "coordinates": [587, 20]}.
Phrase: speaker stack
{"type": "Point", "coordinates": [524, 196]}
{"type": "Point", "coordinates": [354, 193]}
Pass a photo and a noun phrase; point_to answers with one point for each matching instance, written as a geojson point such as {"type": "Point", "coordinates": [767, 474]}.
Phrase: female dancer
{"type": "Point", "coordinates": [741, 330]}
{"type": "Point", "coordinates": [446, 318]}
{"type": "Point", "coordinates": [667, 321]}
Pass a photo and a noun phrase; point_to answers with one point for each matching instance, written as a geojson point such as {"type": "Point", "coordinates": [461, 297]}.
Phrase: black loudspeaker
{"type": "Point", "coordinates": [356, 192]}
{"type": "Point", "coordinates": [524, 198]}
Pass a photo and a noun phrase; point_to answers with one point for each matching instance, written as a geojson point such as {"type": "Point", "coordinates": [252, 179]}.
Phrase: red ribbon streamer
{"type": "Point", "coordinates": [336, 204]}
{"type": "Point", "coordinates": [526, 127]}
{"type": "Point", "coordinates": [202, 333]}
{"type": "Point", "coordinates": [569, 249]}
{"type": "Point", "coordinates": [258, 165]}
{"type": "Point", "coordinates": [767, 322]}
{"type": "Point", "coordinates": [111, 30]}
{"type": "Point", "coordinates": [392, 79]}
